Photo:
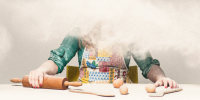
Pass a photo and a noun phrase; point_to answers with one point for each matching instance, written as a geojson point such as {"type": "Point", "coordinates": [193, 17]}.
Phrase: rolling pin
{"type": "Point", "coordinates": [167, 91]}
{"type": "Point", "coordinates": [49, 82]}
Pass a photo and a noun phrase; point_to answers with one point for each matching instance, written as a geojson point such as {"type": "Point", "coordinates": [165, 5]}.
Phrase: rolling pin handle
{"type": "Point", "coordinates": [16, 80]}
{"type": "Point", "coordinates": [76, 84]}
{"type": "Point", "coordinates": [173, 90]}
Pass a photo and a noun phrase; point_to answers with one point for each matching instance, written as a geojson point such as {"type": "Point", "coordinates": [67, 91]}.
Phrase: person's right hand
{"type": "Point", "coordinates": [36, 78]}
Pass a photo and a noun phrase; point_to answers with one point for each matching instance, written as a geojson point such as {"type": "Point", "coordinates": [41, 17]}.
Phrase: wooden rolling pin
{"type": "Point", "coordinates": [160, 94]}
{"type": "Point", "coordinates": [49, 82]}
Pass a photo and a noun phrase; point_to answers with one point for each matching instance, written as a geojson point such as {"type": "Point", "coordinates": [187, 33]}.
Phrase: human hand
{"type": "Point", "coordinates": [36, 78]}
{"type": "Point", "coordinates": [165, 81]}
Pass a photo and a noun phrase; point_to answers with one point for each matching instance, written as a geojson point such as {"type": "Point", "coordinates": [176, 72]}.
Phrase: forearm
{"type": "Point", "coordinates": [48, 67]}
{"type": "Point", "coordinates": [155, 73]}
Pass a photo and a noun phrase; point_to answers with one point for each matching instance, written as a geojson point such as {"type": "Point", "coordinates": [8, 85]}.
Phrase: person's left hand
{"type": "Point", "coordinates": [165, 81]}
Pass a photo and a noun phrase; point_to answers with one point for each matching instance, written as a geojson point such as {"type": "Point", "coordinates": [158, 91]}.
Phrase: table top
{"type": "Point", "coordinates": [136, 92]}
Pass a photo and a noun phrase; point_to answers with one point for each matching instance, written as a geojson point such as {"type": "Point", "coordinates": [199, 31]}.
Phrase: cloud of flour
{"type": "Point", "coordinates": [149, 24]}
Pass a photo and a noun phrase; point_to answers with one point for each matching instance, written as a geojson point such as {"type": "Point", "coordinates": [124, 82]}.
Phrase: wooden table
{"type": "Point", "coordinates": [136, 92]}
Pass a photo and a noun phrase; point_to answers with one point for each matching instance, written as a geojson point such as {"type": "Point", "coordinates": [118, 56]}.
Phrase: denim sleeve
{"type": "Point", "coordinates": [145, 62]}
{"type": "Point", "coordinates": [67, 50]}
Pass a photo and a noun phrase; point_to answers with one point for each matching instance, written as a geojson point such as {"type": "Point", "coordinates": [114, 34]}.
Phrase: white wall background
{"type": "Point", "coordinates": [29, 29]}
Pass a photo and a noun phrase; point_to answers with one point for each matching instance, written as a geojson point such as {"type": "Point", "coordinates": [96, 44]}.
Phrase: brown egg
{"type": "Point", "coordinates": [123, 90]}
{"type": "Point", "coordinates": [151, 88]}
{"type": "Point", "coordinates": [117, 83]}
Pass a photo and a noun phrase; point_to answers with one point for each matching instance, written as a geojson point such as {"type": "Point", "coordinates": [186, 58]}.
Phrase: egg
{"type": "Point", "coordinates": [123, 90]}
{"type": "Point", "coordinates": [117, 83]}
{"type": "Point", "coordinates": [151, 88]}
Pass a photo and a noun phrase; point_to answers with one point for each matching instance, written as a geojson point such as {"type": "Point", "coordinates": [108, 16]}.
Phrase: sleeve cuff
{"type": "Point", "coordinates": [146, 71]}
{"type": "Point", "coordinates": [57, 57]}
